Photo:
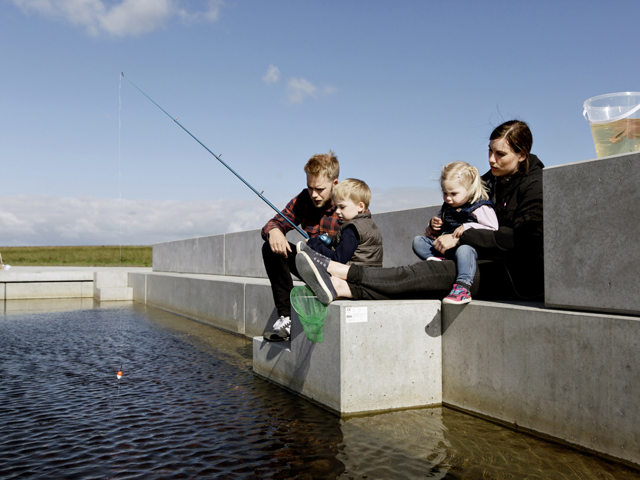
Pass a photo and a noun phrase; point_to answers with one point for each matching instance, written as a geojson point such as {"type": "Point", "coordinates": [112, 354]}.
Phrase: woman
{"type": "Point", "coordinates": [510, 259]}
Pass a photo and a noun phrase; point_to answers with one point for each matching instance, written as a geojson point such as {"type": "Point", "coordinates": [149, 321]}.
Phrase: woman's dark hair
{"type": "Point", "coordinates": [519, 138]}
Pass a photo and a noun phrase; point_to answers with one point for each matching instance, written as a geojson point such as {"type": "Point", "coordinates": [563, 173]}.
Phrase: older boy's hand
{"type": "Point", "coordinates": [278, 242]}
{"type": "Point", "coordinates": [445, 242]}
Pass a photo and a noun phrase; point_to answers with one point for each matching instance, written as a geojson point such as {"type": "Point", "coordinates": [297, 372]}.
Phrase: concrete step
{"type": "Point", "coordinates": [375, 355]}
{"type": "Point", "coordinates": [110, 294]}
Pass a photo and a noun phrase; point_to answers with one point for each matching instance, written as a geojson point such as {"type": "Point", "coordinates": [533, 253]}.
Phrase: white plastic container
{"type": "Point", "coordinates": [615, 122]}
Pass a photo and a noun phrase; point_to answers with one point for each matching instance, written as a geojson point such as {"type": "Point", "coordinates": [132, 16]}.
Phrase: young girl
{"type": "Point", "coordinates": [466, 205]}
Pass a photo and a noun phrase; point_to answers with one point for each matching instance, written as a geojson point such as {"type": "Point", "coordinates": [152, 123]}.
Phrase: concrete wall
{"type": "Point", "coordinates": [572, 376]}
{"type": "Point", "coordinates": [240, 305]}
{"type": "Point", "coordinates": [389, 358]}
{"type": "Point", "coordinates": [591, 234]}
{"type": "Point", "coordinates": [240, 253]}
{"type": "Point", "coordinates": [193, 255]}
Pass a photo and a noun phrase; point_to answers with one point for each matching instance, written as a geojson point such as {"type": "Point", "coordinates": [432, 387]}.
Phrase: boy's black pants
{"type": "Point", "coordinates": [279, 270]}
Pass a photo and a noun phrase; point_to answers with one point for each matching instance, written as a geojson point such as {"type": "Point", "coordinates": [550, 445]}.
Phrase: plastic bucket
{"type": "Point", "coordinates": [615, 122]}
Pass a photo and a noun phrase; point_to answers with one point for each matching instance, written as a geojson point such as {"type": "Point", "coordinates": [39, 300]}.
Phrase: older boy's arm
{"type": "Point", "coordinates": [278, 242]}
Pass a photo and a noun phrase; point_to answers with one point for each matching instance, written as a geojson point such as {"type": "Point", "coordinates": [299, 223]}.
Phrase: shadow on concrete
{"type": "Point", "coordinates": [449, 313]}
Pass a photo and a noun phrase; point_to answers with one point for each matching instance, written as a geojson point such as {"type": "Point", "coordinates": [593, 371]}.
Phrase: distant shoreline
{"type": "Point", "coordinates": [79, 256]}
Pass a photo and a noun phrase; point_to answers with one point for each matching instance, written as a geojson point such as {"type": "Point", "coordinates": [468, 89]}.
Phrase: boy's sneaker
{"type": "Point", "coordinates": [312, 268]}
{"type": "Point", "coordinates": [302, 246]}
{"type": "Point", "coordinates": [281, 330]}
{"type": "Point", "coordinates": [436, 259]}
{"type": "Point", "coordinates": [458, 296]}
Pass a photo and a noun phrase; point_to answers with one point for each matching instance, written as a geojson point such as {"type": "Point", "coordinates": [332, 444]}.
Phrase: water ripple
{"type": "Point", "coordinates": [188, 406]}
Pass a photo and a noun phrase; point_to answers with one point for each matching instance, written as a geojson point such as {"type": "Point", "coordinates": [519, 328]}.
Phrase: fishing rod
{"type": "Point", "coordinates": [325, 238]}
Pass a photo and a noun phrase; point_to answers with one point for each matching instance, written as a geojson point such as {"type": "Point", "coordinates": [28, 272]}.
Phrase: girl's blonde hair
{"type": "Point", "coordinates": [469, 177]}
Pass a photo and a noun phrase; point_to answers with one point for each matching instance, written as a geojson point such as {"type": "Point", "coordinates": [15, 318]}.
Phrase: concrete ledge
{"type": "Point", "coordinates": [572, 376]}
{"type": "Point", "coordinates": [375, 356]}
{"type": "Point", "coordinates": [240, 253]}
{"type": "Point", "coordinates": [240, 305]}
{"type": "Point", "coordinates": [25, 290]}
{"type": "Point", "coordinates": [112, 286]}
{"type": "Point", "coordinates": [591, 234]}
{"type": "Point", "coordinates": [22, 283]}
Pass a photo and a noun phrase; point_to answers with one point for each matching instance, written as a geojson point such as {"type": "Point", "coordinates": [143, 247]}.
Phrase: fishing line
{"type": "Point", "coordinates": [260, 194]}
{"type": "Point", "coordinates": [120, 165]}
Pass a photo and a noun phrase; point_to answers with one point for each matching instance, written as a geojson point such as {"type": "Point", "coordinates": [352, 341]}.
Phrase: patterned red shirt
{"type": "Point", "coordinates": [302, 211]}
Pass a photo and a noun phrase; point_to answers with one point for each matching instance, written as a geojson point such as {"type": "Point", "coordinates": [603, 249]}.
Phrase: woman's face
{"type": "Point", "coordinates": [503, 161]}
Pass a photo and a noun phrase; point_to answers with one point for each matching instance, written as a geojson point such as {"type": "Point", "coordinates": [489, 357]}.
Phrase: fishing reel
{"type": "Point", "coordinates": [326, 239]}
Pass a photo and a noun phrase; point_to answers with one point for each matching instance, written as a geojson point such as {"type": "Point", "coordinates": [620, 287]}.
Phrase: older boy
{"type": "Point", "coordinates": [314, 211]}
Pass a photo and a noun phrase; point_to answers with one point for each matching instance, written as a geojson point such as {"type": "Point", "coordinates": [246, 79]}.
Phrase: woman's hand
{"type": "Point", "coordinates": [445, 242]}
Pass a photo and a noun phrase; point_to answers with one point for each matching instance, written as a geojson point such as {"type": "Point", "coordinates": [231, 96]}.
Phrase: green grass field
{"type": "Point", "coordinates": [105, 256]}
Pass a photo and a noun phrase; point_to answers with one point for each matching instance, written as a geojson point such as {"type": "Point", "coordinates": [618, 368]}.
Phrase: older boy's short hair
{"type": "Point", "coordinates": [323, 164]}
{"type": "Point", "coordinates": [355, 190]}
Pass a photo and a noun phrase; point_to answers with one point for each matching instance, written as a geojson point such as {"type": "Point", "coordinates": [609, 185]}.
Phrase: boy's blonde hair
{"type": "Point", "coordinates": [355, 190]}
{"type": "Point", "coordinates": [469, 178]}
{"type": "Point", "coordinates": [323, 164]}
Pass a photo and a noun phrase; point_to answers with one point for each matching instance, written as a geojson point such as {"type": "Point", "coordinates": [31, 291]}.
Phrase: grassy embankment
{"type": "Point", "coordinates": [105, 256]}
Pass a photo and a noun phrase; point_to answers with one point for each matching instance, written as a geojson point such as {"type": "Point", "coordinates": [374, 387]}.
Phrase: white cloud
{"type": "Point", "coordinates": [298, 89]}
{"type": "Point", "coordinates": [40, 220]}
{"type": "Point", "coordinates": [50, 220]}
{"type": "Point", "coordinates": [272, 75]}
{"type": "Point", "coordinates": [391, 199]}
{"type": "Point", "coordinates": [329, 90]}
{"type": "Point", "coordinates": [127, 17]}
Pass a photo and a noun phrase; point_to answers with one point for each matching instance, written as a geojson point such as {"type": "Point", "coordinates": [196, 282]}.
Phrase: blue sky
{"type": "Point", "coordinates": [396, 89]}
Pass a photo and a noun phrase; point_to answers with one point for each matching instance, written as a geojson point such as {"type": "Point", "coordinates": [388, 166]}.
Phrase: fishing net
{"type": "Point", "coordinates": [310, 311]}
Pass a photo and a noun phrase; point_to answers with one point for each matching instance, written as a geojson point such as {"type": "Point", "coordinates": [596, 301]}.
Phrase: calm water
{"type": "Point", "coordinates": [189, 406]}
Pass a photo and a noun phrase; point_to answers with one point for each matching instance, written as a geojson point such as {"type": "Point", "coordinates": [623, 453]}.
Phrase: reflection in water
{"type": "Point", "coordinates": [188, 406]}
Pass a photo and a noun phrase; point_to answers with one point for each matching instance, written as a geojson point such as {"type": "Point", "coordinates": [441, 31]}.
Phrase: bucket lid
{"type": "Point", "coordinates": [611, 107]}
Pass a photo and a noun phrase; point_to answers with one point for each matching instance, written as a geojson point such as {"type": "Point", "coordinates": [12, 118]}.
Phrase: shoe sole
{"type": "Point", "coordinates": [454, 302]}
{"type": "Point", "coordinates": [314, 280]}
{"type": "Point", "coordinates": [274, 337]}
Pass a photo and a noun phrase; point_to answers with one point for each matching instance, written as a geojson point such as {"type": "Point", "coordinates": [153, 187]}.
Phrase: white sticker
{"type": "Point", "coordinates": [356, 314]}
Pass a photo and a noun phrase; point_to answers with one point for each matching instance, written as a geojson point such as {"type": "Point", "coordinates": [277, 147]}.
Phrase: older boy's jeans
{"type": "Point", "coordinates": [465, 257]}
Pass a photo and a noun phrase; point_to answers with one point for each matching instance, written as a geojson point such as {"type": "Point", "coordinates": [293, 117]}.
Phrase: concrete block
{"type": "Point", "coordinates": [201, 297]}
{"type": "Point", "coordinates": [87, 289]}
{"type": "Point", "coordinates": [46, 305]}
{"type": "Point", "coordinates": [195, 255]}
{"type": "Point", "coordinates": [260, 311]}
{"type": "Point", "coordinates": [2, 289]}
{"type": "Point", "coordinates": [375, 356]}
{"type": "Point", "coordinates": [572, 376]}
{"type": "Point", "coordinates": [591, 234]}
{"type": "Point", "coordinates": [138, 281]}
{"type": "Point", "coordinates": [107, 279]}
{"type": "Point", "coordinates": [110, 294]}
{"type": "Point", "coordinates": [243, 253]}
{"type": "Point", "coordinates": [398, 229]}
{"type": "Point", "coordinates": [45, 290]}
{"type": "Point", "coordinates": [47, 274]}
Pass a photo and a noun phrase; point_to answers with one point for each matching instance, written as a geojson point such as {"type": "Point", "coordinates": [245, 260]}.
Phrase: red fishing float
{"type": "Point", "coordinates": [119, 374]}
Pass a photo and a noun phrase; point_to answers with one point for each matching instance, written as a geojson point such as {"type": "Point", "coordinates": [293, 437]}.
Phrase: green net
{"type": "Point", "coordinates": [310, 312]}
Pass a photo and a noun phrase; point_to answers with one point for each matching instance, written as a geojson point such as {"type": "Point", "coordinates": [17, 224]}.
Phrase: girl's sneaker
{"type": "Point", "coordinates": [458, 296]}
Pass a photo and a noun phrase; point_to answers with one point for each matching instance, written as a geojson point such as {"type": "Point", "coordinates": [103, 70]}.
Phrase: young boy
{"type": "Point", "coordinates": [314, 211]}
{"type": "Point", "coordinates": [358, 240]}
